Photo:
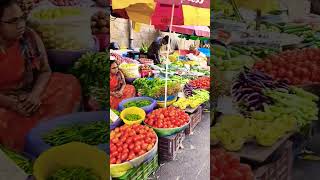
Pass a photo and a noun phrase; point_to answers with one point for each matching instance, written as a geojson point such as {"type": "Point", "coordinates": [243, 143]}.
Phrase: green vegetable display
{"type": "Point", "coordinates": [21, 161]}
{"type": "Point", "coordinates": [138, 103]}
{"type": "Point", "coordinates": [77, 173]}
{"type": "Point", "coordinates": [299, 104]}
{"type": "Point", "coordinates": [132, 117]}
{"type": "Point", "coordinates": [155, 88]}
{"type": "Point", "coordinates": [92, 134]}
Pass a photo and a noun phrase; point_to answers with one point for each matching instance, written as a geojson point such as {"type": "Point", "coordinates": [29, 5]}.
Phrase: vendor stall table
{"type": "Point", "coordinates": [9, 170]}
{"type": "Point", "coordinates": [259, 154]}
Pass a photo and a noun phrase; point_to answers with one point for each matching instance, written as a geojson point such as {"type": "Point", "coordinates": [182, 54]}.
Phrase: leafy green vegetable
{"type": "Point", "coordinates": [92, 134]}
{"type": "Point", "coordinates": [92, 69]}
{"type": "Point", "coordinates": [139, 103]}
{"type": "Point", "coordinates": [156, 87]}
{"type": "Point", "coordinates": [77, 173]}
{"type": "Point", "coordinates": [132, 117]}
{"type": "Point", "coordinates": [20, 160]}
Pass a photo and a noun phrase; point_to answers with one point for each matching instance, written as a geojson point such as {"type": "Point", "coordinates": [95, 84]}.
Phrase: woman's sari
{"type": "Point", "coordinates": [115, 84]}
{"type": "Point", "coordinates": [19, 68]}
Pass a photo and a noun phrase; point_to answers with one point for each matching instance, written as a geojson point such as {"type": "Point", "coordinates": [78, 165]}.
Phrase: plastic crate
{"type": "Point", "coordinates": [143, 171]}
{"type": "Point", "coordinates": [169, 146]}
{"type": "Point", "coordinates": [281, 168]}
{"type": "Point", "coordinates": [195, 119]}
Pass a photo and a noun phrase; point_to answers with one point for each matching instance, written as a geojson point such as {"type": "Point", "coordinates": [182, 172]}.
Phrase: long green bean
{"type": "Point", "coordinates": [77, 173]}
{"type": "Point", "coordinates": [92, 134]}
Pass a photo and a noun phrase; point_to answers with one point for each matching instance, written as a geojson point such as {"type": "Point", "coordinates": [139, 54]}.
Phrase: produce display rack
{"type": "Point", "coordinates": [254, 152]}
{"type": "Point", "coordinates": [281, 168]}
{"type": "Point", "coordinates": [195, 116]}
{"type": "Point", "coordinates": [143, 171]}
{"type": "Point", "coordinates": [169, 146]}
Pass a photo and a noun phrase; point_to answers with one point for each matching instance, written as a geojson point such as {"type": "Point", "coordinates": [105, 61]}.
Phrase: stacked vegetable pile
{"type": "Point", "coordinates": [99, 23]}
{"type": "Point", "coordinates": [298, 67]}
{"type": "Point", "coordinates": [201, 83]}
{"type": "Point", "coordinates": [233, 131]}
{"type": "Point", "coordinates": [130, 142]}
{"type": "Point", "coordinates": [247, 90]}
{"type": "Point", "coordinates": [22, 162]}
{"type": "Point", "coordinates": [91, 70]}
{"type": "Point", "coordinates": [132, 117]}
{"type": "Point", "coordinates": [76, 173]}
{"type": "Point", "coordinates": [297, 103]}
{"type": "Point", "coordinates": [225, 165]}
{"type": "Point", "coordinates": [170, 117]}
{"type": "Point", "coordinates": [93, 134]}
{"type": "Point", "coordinates": [199, 97]}
{"type": "Point", "coordinates": [155, 88]}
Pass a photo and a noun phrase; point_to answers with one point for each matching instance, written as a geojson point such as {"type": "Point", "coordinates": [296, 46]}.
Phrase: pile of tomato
{"type": "Point", "coordinates": [201, 83]}
{"type": "Point", "coordinates": [225, 165]}
{"type": "Point", "coordinates": [298, 67]}
{"type": "Point", "coordinates": [170, 117]}
{"type": "Point", "coordinates": [129, 142]}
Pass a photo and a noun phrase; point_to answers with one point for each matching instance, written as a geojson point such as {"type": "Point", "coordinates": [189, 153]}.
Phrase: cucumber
{"type": "Point", "coordinates": [240, 50]}
{"type": "Point", "coordinates": [289, 27]}
{"type": "Point", "coordinates": [234, 53]}
{"type": "Point", "coordinates": [296, 30]}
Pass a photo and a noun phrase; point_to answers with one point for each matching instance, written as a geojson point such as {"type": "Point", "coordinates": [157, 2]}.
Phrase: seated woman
{"type": "Point", "coordinates": [29, 91]}
{"type": "Point", "coordinates": [119, 90]}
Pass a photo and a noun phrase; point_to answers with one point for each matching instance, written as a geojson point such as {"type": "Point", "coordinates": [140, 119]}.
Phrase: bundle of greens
{"type": "Point", "coordinates": [21, 161]}
{"type": "Point", "coordinates": [77, 173]}
{"type": "Point", "coordinates": [155, 88]}
{"type": "Point", "coordinates": [93, 134]}
{"type": "Point", "coordinates": [93, 72]}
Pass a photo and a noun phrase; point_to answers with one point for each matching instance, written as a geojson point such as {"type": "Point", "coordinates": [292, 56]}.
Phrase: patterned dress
{"type": "Point", "coordinates": [115, 84]}
{"type": "Point", "coordinates": [19, 69]}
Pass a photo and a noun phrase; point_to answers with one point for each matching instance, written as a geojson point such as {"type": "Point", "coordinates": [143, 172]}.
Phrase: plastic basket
{"type": "Point", "coordinates": [130, 72]}
{"type": "Point", "coordinates": [205, 51]}
{"type": "Point", "coordinates": [163, 132]}
{"type": "Point", "coordinates": [143, 171]}
{"type": "Point", "coordinates": [35, 145]}
{"type": "Point", "coordinates": [133, 110]}
{"type": "Point", "coordinates": [118, 170]}
{"type": "Point", "coordinates": [169, 146]}
{"type": "Point", "coordinates": [195, 117]}
{"type": "Point", "coordinates": [68, 155]}
{"type": "Point", "coordinates": [147, 109]}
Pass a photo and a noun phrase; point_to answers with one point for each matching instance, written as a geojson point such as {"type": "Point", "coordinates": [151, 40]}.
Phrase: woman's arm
{"type": "Point", "coordinates": [123, 82]}
{"type": "Point", "coordinates": [7, 102]}
{"type": "Point", "coordinates": [45, 71]}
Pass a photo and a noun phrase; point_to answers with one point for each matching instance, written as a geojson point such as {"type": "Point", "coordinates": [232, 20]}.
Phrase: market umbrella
{"type": "Point", "coordinates": [202, 31]}
{"type": "Point", "coordinates": [136, 10]}
{"type": "Point", "coordinates": [186, 12]}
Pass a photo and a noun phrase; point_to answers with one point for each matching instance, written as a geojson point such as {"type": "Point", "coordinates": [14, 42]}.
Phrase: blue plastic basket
{"type": "Point", "coordinates": [35, 145]}
{"type": "Point", "coordinates": [205, 51]}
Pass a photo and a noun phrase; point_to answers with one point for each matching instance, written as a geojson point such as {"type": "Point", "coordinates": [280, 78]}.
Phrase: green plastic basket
{"type": "Point", "coordinates": [163, 132]}
{"type": "Point", "coordinates": [143, 171]}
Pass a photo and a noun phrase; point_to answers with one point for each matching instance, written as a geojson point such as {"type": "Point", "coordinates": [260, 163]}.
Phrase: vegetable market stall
{"type": "Point", "coordinates": [267, 91]}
